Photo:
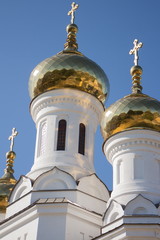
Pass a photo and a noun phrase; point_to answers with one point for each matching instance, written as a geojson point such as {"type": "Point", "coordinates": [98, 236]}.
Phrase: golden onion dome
{"type": "Point", "coordinates": [69, 69]}
{"type": "Point", "coordinates": [131, 112]}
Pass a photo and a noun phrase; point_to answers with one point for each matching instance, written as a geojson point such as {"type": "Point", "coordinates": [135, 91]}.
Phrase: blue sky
{"type": "Point", "coordinates": [33, 30]}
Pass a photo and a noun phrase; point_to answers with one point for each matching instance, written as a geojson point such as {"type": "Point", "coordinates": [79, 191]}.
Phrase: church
{"type": "Point", "coordinates": [62, 197]}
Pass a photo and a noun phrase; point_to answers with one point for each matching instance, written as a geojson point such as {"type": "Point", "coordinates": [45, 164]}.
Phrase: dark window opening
{"type": "Point", "coordinates": [82, 131]}
{"type": "Point", "coordinates": [61, 139]}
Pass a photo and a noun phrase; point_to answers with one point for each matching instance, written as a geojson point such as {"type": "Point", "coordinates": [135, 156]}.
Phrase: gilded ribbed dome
{"type": "Point", "coordinates": [131, 112]}
{"type": "Point", "coordinates": [69, 69]}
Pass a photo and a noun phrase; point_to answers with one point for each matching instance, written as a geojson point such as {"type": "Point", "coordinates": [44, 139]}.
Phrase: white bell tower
{"type": "Point", "coordinates": [66, 121]}
{"type": "Point", "coordinates": [62, 197]}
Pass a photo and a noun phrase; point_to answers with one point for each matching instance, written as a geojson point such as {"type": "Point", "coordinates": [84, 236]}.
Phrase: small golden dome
{"type": "Point", "coordinates": [69, 69]}
{"type": "Point", "coordinates": [7, 181]}
{"type": "Point", "coordinates": [134, 111]}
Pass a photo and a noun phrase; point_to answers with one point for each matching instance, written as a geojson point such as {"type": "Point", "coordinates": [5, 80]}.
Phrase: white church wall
{"type": "Point", "coordinates": [50, 219]}
{"type": "Point", "coordinates": [21, 227]}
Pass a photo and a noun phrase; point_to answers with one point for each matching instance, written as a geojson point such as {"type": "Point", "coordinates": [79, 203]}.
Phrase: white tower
{"type": "Point", "coordinates": [61, 197]}
{"type": "Point", "coordinates": [131, 129]}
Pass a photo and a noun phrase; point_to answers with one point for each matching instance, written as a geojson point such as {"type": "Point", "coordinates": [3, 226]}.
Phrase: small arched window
{"type": "Point", "coordinates": [82, 132]}
{"type": "Point", "coordinates": [42, 138]}
{"type": "Point", "coordinates": [61, 139]}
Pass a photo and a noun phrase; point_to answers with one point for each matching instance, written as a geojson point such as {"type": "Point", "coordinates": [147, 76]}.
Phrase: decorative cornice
{"type": "Point", "coordinates": [48, 101]}
{"type": "Point", "coordinates": [124, 146]}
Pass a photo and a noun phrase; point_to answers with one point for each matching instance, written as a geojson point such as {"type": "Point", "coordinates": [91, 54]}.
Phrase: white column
{"type": "Point", "coordinates": [75, 107]}
{"type": "Point", "coordinates": [135, 156]}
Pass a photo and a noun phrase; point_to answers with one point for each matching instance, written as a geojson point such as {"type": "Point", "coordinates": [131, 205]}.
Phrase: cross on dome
{"type": "Point", "coordinates": [135, 50]}
{"type": "Point", "coordinates": [11, 138]}
{"type": "Point", "coordinates": [72, 11]}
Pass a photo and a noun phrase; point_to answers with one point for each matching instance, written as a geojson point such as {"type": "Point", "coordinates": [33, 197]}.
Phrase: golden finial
{"type": "Point", "coordinates": [72, 11]}
{"type": "Point", "coordinates": [71, 44]}
{"type": "Point", "coordinates": [10, 156]}
{"type": "Point", "coordinates": [135, 50]}
{"type": "Point", "coordinates": [136, 71]}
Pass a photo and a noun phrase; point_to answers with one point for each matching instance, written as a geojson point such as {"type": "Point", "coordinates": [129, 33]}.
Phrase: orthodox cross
{"type": "Point", "coordinates": [135, 50]}
{"type": "Point", "coordinates": [11, 138]}
{"type": "Point", "coordinates": [72, 11]}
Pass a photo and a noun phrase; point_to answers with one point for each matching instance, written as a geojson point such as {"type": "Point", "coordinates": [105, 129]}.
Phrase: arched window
{"type": "Point", "coordinates": [82, 131]}
{"type": "Point", "coordinates": [61, 139]}
{"type": "Point", "coordinates": [42, 138]}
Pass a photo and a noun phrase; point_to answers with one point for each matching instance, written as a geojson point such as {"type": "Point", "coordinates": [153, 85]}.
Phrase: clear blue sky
{"type": "Point", "coordinates": [33, 30]}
